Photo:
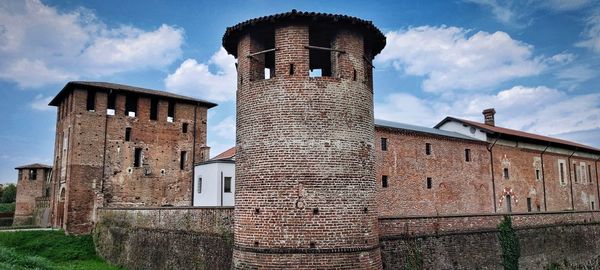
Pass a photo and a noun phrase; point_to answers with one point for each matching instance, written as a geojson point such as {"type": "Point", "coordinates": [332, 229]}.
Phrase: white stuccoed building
{"type": "Point", "coordinates": [214, 181]}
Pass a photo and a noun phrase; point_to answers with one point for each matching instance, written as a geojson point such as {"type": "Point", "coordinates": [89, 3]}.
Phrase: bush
{"type": "Point", "coordinates": [509, 242]}
{"type": "Point", "coordinates": [9, 194]}
{"type": "Point", "coordinates": [7, 207]}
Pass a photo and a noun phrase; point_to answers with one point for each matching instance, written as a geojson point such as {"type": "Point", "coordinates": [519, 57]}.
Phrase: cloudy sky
{"type": "Point", "coordinates": [536, 61]}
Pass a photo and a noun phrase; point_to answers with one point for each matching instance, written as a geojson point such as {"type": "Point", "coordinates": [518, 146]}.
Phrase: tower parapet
{"type": "Point", "coordinates": [305, 191]}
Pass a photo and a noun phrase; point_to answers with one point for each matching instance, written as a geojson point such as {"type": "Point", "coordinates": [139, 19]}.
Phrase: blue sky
{"type": "Point", "coordinates": [535, 61]}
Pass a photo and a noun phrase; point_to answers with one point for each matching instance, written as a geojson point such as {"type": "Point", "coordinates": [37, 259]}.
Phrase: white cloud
{"type": "Point", "coordinates": [40, 103]}
{"type": "Point", "coordinates": [539, 109]}
{"type": "Point", "coordinates": [197, 79]}
{"type": "Point", "coordinates": [521, 13]}
{"type": "Point", "coordinates": [451, 58]}
{"type": "Point", "coordinates": [572, 76]}
{"type": "Point", "coordinates": [41, 45]}
{"type": "Point", "coordinates": [225, 129]}
{"type": "Point", "coordinates": [592, 32]}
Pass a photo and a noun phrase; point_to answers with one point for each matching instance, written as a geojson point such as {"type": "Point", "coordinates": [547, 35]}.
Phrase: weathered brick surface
{"type": "Point", "coordinates": [305, 190]}
{"type": "Point", "coordinates": [458, 186]}
{"type": "Point", "coordinates": [27, 192]}
{"type": "Point", "coordinates": [165, 238]}
{"type": "Point", "coordinates": [90, 179]}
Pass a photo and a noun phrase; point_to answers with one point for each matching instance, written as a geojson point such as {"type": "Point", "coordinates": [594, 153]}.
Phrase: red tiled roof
{"type": "Point", "coordinates": [518, 133]}
{"type": "Point", "coordinates": [228, 154]}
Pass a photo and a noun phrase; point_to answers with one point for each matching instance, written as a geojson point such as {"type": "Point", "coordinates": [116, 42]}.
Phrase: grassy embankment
{"type": "Point", "coordinates": [48, 250]}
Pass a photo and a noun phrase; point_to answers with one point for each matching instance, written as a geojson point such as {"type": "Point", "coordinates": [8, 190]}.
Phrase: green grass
{"type": "Point", "coordinates": [7, 207]}
{"type": "Point", "coordinates": [48, 250]}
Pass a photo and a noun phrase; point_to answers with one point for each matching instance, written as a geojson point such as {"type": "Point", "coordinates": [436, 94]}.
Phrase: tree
{"type": "Point", "coordinates": [509, 242]}
{"type": "Point", "coordinates": [9, 194]}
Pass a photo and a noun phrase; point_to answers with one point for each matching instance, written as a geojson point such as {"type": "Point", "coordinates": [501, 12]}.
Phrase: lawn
{"type": "Point", "coordinates": [48, 250]}
{"type": "Point", "coordinates": [7, 207]}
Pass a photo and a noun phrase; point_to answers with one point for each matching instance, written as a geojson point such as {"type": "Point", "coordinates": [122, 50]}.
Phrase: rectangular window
{"type": "Point", "coordinates": [561, 168]}
{"type": "Point", "coordinates": [110, 103]}
{"type": "Point", "coordinates": [128, 134]}
{"type": "Point", "coordinates": [171, 112]}
{"type": "Point", "coordinates": [137, 159]}
{"type": "Point", "coordinates": [184, 128]}
{"type": "Point", "coordinates": [593, 206]}
{"type": "Point", "coordinates": [538, 174]}
{"type": "Point", "coordinates": [429, 183]}
{"type": "Point", "coordinates": [384, 181]}
{"type": "Point", "coordinates": [505, 173]}
{"type": "Point", "coordinates": [262, 56]}
{"type": "Point", "coordinates": [32, 174]}
{"type": "Point", "coordinates": [227, 184]}
{"type": "Point", "coordinates": [575, 172]}
{"type": "Point", "coordinates": [467, 155]}
{"type": "Point", "coordinates": [182, 160]}
{"type": "Point", "coordinates": [384, 144]}
{"type": "Point", "coordinates": [91, 100]}
{"type": "Point", "coordinates": [590, 173]}
{"type": "Point", "coordinates": [582, 173]}
{"type": "Point", "coordinates": [153, 108]}
{"type": "Point", "coordinates": [320, 53]}
{"type": "Point", "coordinates": [428, 149]}
{"type": "Point", "coordinates": [199, 185]}
{"type": "Point", "coordinates": [131, 101]}
{"type": "Point", "coordinates": [528, 204]}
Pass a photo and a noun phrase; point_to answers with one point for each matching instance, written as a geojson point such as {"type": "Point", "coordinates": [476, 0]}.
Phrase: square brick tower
{"type": "Point", "coordinates": [118, 145]}
{"type": "Point", "coordinates": [305, 190]}
{"type": "Point", "coordinates": [32, 186]}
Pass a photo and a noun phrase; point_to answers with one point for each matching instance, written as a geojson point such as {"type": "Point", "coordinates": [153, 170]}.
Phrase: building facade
{"type": "Point", "coordinates": [305, 195]}
{"type": "Point", "coordinates": [33, 192]}
{"type": "Point", "coordinates": [214, 180]}
{"type": "Point", "coordinates": [119, 145]}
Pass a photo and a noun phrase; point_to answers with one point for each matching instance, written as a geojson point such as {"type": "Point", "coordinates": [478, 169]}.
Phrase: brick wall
{"type": "Point", "coordinates": [457, 186]}
{"type": "Point", "coordinates": [569, 239]}
{"type": "Point", "coordinates": [165, 238]}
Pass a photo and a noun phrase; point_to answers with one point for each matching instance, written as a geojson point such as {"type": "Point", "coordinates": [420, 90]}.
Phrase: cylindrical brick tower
{"type": "Point", "coordinates": [305, 190]}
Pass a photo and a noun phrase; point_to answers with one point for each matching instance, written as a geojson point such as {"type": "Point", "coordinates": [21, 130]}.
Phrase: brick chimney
{"type": "Point", "coordinates": [488, 116]}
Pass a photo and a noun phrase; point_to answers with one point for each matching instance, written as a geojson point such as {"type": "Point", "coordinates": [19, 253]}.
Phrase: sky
{"type": "Point", "coordinates": [537, 62]}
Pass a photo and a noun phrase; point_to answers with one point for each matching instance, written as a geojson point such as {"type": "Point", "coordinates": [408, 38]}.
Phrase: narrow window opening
{"type": "Point", "coordinates": [131, 101]}
{"type": "Point", "coordinates": [320, 55]}
{"type": "Point", "coordinates": [154, 108]}
{"type": "Point", "coordinates": [429, 183]}
{"type": "Point", "coordinates": [575, 172]}
{"type": "Point", "coordinates": [467, 155]}
{"type": "Point", "coordinates": [137, 160]}
{"type": "Point", "coordinates": [91, 101]}
{"type": "Point", "coordinates": [590, 173]}
{"type": "Point", "coordinates": [32, 174]}
{"type": "Point", "coordinates": [384, 145]}
{"type": "Point", "coordinates": [184, 128]}
{"type": "Point", "coordinates": [528, 204]}
{"type": "Point", "coordinates": [428, 149]}
{"type": "Point", "coordinates": [291, 69]}
{"type": "Point", "coordinates": [508, 204]}
{"type": "Point", "coordinates": [182, 160]}
{"type": "Point", "coordinates": [227, 184]}
{"type": "Point", "coordinates": [505, 173]}
{"type": "Point", "coordinates": [562, 172]}
{"type": "Point", "coordinates": [20, 175]}
{"type": "Point", "coordinates": [593, 206]}
{"type": "Point", "coordinates": [538, 174]}
{"type": "Point", "coordinates": [582, 173]}
{"type": "Point", "coordinates": [111, 102]}
{"type": "Point", "coordinates": [354, 75]}
{"type": "Point", "coordinates": [315, 211]}
{"type": "Point", "coordinates": [128, 134]}
{"type": "Point", "coordinates": [171, 112]}
{"type": "Point", "coordinates": [262, 58]}
{"type": "Point", "coordinates": [199, 185]}
{"type": "Point", "coordinates": [384, 181]}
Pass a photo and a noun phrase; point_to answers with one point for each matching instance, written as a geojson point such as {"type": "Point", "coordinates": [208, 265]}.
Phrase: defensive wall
{"type": "Point", "coordinates": [202, 238]}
